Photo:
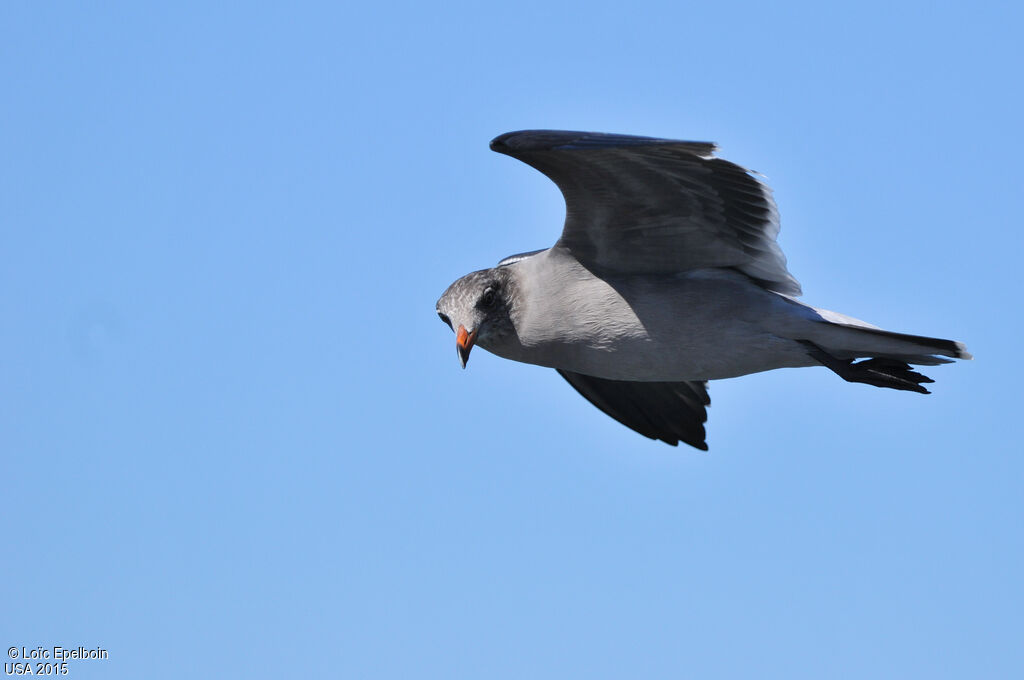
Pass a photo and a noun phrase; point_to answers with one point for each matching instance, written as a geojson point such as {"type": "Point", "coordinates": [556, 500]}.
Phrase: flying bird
{"type": "Point", "coordinates": [667, 275]}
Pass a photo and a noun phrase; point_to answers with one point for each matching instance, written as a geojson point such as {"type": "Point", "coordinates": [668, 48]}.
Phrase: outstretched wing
{"type": "Point", "coordinates": [670, 411]}
{"type": "Point", "coordinates": [647, 205]}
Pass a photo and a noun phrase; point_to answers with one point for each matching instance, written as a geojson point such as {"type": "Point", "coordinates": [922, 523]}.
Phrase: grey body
{"type": "Point", "coordinates": [704, 324]}
{"type": "Point", "coordinates": [667, 275]}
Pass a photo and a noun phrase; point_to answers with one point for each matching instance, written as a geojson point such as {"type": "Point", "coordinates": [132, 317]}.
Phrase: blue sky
{"type": "Point", "coordinates": [235, 438]}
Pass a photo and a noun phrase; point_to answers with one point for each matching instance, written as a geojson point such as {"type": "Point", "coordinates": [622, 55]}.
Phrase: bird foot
{"type": "Point", "coordinates": [879, 371]}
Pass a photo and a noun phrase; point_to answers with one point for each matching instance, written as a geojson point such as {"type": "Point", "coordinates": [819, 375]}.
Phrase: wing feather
{"type": "Point", "coordinates": [650, 205]}
{"type": "Point", "coordinates": [672, 412]}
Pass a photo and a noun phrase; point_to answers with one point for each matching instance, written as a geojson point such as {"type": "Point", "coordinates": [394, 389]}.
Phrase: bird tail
{"type": "Point", "coordinates": [840, 340]}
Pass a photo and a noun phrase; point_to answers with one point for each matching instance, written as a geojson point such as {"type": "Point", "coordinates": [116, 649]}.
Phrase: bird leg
{"type": "Point", "coordinates": [878, 371]}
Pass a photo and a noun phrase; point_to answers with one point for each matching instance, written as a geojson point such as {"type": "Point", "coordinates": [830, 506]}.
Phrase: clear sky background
{"type": "Point", "coordinates": [235, 439]}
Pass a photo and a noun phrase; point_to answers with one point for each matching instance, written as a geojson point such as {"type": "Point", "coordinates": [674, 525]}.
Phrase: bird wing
{"type": "Point", "coordinates": [519, 257]}
{"type": "Point", "coordinates": [670, 411]}
{"type": "Point", "coordinates": [647, 205]}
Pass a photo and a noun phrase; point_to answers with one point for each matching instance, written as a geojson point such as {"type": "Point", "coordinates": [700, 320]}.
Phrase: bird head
{"type": "Point", "coordinates": [478, 308]}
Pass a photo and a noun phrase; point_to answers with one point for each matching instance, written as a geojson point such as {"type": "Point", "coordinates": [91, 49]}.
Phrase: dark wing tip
{"type": "Point", "coordinates": [672, 440]}
{"type": "Point", "coordinates": [664, 411]}
{"type": "Point", "coordinates": [520, 141]}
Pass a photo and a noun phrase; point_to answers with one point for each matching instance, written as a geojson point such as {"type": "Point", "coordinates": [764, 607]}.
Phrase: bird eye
{"type": "Point", "coordinates": [444, 317]}
{"type": "Point", "coordinates": [488, 298]}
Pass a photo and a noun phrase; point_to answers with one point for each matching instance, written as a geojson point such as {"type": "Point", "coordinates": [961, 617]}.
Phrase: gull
{"type": "Point", "coordinates": [667, 275]}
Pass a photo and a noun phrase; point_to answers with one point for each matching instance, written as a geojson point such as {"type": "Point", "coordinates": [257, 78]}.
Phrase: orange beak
{"type": "Point", "coordinates": [464, 342]}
